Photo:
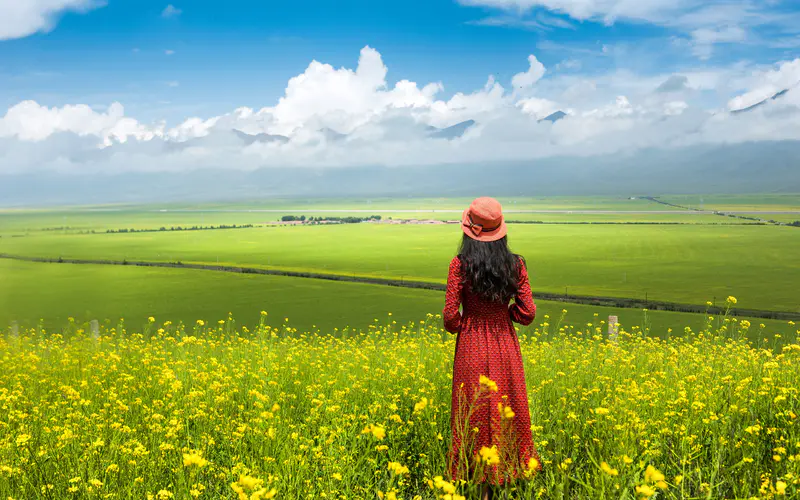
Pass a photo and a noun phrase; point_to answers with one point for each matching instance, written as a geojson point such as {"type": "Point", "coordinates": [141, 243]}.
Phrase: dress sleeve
{"type": "Point", "coordinates": [451, 315]}
{"type": "Point", "coordinates": [523, 309]}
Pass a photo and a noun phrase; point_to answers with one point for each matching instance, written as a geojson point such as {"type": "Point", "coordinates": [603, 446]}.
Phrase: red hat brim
{"type": "Point", "coordinates": [495, 235]}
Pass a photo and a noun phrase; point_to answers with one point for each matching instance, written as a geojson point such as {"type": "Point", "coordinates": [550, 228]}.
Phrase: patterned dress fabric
{"type": "Point", "coordinates": [487, 345]}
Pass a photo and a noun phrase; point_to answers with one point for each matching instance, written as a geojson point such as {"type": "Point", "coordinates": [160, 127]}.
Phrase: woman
{"type": "Point", "coordinates": [490, 419]}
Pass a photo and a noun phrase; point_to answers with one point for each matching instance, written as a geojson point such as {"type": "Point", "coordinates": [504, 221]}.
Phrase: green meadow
{"type": "Point", "coordinates": [50, 294]}
{"type": "Point", "coordinates": [704, 258]}
{"type": "Point", "coordinates": [738, 202]}
{"type": "Point", "coordinates": [686, 264]}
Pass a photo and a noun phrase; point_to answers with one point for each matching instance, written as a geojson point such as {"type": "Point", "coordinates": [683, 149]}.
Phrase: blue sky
{"type": "Point", "coordinates": [118, 84]}
{"type": "Point", "coordinates": [242, 53]}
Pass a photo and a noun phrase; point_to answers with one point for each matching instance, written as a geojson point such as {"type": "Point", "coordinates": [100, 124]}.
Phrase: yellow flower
{"type": "Point", "coordinates": [164, 495]}
{"type": "Point", "coordinates": [731, 300]}
{"type": "Point", "coordinates": [376, 430]}
{"type": "Point", "coordinates": [602, 411]}
{"type": "Point", "coordinates": [505, 411]}
{"type": "Point", "coordinates": [678, 479]}
{"type": "Point", "coordinates": [336, 476]}
{"type": "Point", "coordinates": [608, 470]}
{"type": "Point", "coordinates": [443, 485]}
{"type": "Point", "coordinates": [645, 491]}
{"type": "Point", "coordinates": [23, 439]}
{"type": "Point", "coordinates": [263, 494]}
{"type": "Point", "coordinates": [488, 383]}
{"type": "Point", "coordinates": [397, 469]}
{"type": "Point", "coordinates": [780, 488]}
{"type": "Point", "coordinates": [190, 459]}
{"type": "Point", "coordinates": [421, 405]}
{"type": "Point", "coordinates": [627, 460]}
{"type": "Point", "coordinates": [652, 475]}
{"type": "Point", "coordinates": [249, 482]}
{"type": "Point", "coordinates": [533, 464]}
{"type": "Point", "coordinates": [489, 456]}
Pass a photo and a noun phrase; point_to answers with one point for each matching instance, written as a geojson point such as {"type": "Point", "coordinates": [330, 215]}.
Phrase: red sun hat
{"type": "Point", "coordinates": [483, 220]}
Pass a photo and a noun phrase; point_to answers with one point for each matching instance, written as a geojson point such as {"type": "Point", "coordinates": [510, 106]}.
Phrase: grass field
{"type": "Point", "coordinates": [52, 293]}
{"type": "Point", "coordinates": [746, 202]}
{"type": "Point", "coordinates": [72, 220]}
{"type": "Point", "coordinates": [690, 264]}
{"type": "Point", "coordinates": [213, 411]}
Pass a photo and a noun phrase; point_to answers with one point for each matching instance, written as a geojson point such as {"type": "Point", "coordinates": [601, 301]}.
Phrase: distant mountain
{"type": "Point", "coordinates": [777, 95]}
{"type": "Point", "coordinates": [251, 138]}
{"type": "Point", "coordinates": [450, 132]}
{"type": "Point", "coordinates": [758, 167]}
{"type": "Point", "coordinates": [332, 135]}
{"type": "Point", "coordinates": [554, 117]}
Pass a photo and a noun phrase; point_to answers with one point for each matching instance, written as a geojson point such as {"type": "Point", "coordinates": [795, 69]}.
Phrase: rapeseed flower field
{"type": "Point", "coordinates": [221, 411]}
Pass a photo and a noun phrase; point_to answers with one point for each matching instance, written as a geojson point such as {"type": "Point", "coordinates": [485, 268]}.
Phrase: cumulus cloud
{"type": "Point", "coordinates": [529, 78]}
{"type": "Point", "coordinates": [353, 116]}
{"type": "Point", "coordinates": [20, 18]}
{"type": "Point", "coordinates": [768, 83]}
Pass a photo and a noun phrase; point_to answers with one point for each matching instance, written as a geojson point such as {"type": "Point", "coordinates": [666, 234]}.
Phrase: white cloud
{"type": "Point", "coordinates": [537, 107]}
{"type": "Point", "coordinates": [529, 78]}
{"type": "Point", "coordinates": [342, 117]}
{"type": "Point", "coordinates": [766, 84]}
{"type": "Point", "coordinates": [20, 18]}
{"type": "Point", "coordinates": [171, 11]}
{"type": "Point", "coordinates": [31, 122]}
{"type": "Point", "coordinates": [169, 52]}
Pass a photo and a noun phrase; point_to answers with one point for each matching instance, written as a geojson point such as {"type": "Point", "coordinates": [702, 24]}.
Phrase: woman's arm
{"type": "Point", "coordinates": [451, 315]}
{"type": "Point", "coordinates": [523, 309]}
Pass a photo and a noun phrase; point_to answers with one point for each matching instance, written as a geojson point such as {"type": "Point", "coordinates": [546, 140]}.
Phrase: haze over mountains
{"type": "Point", "coordinates": [758, 167]}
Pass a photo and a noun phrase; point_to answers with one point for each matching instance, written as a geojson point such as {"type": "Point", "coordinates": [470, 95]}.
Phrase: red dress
{"type": "Point", "coordinates": [487, 345]}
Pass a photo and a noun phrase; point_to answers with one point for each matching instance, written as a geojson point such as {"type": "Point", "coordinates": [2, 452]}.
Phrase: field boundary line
{"type": "Point", "coordinates": [620, 302]}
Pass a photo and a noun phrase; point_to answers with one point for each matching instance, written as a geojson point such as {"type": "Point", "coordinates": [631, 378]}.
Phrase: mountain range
{"type": "Point", "coordinates": [732, 168]}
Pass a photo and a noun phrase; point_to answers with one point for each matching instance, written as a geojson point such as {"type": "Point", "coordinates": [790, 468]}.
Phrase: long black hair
{"type": "Point", "coordinates": [490, 268]}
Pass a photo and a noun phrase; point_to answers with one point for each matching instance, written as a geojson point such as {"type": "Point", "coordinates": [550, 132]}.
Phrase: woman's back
{"type": "Point", "coordinates": [478, 307]}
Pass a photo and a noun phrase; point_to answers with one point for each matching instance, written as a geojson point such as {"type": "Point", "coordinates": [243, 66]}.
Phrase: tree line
{"type": "Point", "coordinates": [341, 220]}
